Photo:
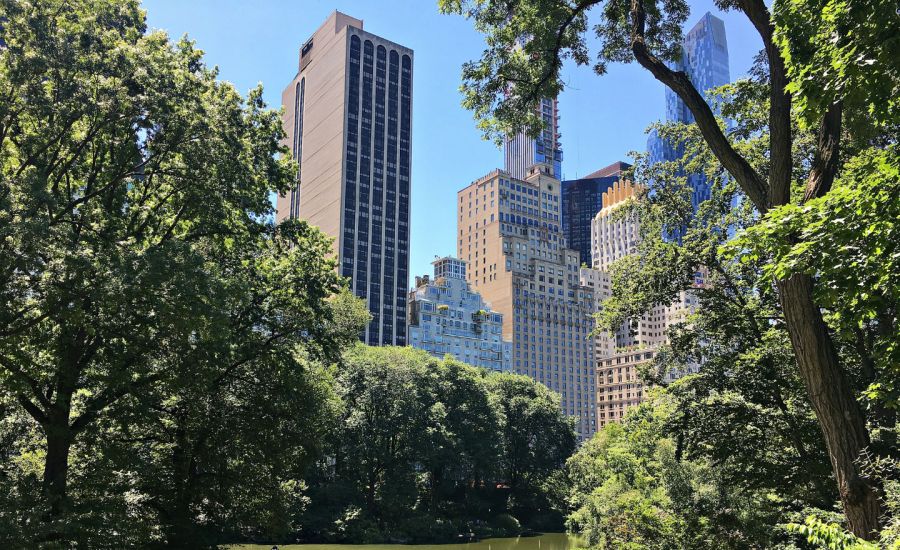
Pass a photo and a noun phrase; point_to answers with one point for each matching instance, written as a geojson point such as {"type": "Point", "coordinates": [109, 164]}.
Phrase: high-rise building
{"type": "Point", "coordinates": [581, 200]}
{"type": "Point", "coordinates": [509, 235]}
{"type": "Point", "coordinates": [447, 317]}
{"type": "Point", "coordinates": [619, 383]}
{"type": "Point", "coordinates": [613, 237]}
{"type": "Point", "coordinates": [705, 60]}
{"type": "Point", "coordinates": [600, 284]}
{"type": "Point", "coordinates": [621, 353]}
{"type": "Point", "coordinates": [348, 119]}
{"type": "Point", "coordinates": [521, 151]}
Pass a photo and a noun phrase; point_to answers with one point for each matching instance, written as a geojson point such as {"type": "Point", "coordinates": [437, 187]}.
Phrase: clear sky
{"type": "Point", "coordinates": [602, 118]}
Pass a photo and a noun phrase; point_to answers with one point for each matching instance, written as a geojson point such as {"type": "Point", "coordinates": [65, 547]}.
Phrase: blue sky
{"type": "Point", "coordinates": [602, 118]}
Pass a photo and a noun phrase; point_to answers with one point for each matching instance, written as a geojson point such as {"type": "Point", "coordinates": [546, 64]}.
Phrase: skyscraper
{"type": "Point", "coordinates": [447, 317]}
{"type": "Point", "coordinates": [581, 200]}
{"type": "Point", "coordinates": [347, 115]}
{"type": "Point", "coordinates": [613, 238]}
{"type": "Point", "coordinates": [522, 151]}
{"type": "Point", "coordinates": [621, 353]}
{"type": "Point", "coordinates": [509, 235]}
{"type": "Point", "coordinates": [705, 60]}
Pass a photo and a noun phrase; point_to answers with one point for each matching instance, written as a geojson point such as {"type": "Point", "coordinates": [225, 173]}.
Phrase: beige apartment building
{"type": "Point", "coordinates": [510, 236]}
{"type": "Point", "coordinates": [348, 120]}
{"type": "Point", "coordinates": [620, 354]}
{"type": "Point", "coordinates": [614, 237]}
{"type": "Point", "coordinates": [619, 385]}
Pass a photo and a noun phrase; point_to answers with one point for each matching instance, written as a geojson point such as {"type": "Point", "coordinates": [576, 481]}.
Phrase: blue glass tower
{"type": "Point", "coordinates": [705, 60]}
{"type": "Point", "coordinates": [581, 200]}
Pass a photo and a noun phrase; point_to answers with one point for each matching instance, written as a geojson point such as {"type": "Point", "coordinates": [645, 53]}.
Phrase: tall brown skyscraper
{"type": "Point", "coordinates": [348, 119]}
{"type": "Point", "coordinates": [509, 234]}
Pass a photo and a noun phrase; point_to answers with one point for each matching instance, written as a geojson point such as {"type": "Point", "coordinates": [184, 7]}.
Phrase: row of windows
{"type": "Point", "coordinates": [377, 181]}
{"type": "Point", "coordinates": [297, 150]}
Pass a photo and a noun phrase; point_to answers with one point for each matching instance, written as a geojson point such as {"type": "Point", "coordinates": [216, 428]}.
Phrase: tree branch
{"type": "Point", "coordinates": [780, 138]}
{"type": "Point", "coordinates": [96, 406]}
{"type": "Point", "coordinates": [749, 180]}
{"type": "Point", "coordinates": [33, 410]}
{"type": "Point", "coordinates": [556, 63]}
{"type": "Point", "coordinates": [30, 381]}
{"type": "Point", "coordinates": [825, 162]}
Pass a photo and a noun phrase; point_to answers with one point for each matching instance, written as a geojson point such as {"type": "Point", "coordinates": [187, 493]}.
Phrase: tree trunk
{"type": "Point", "coordinates": [831, 395]}
{"type": "Point", "coordinates": [181, 529]}
{"type": "Point", "coordinates": [56, 463]}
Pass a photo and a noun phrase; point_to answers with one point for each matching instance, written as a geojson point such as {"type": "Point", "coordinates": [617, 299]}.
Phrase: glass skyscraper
{"type": "Point", "coordinates": [522, 152]}
{"type": "Point", "coordinates": [581, 200]}
{"type": "Point", "coordinates": [705, 60]}
{"type": "Point", "coordinates": [348, 120]}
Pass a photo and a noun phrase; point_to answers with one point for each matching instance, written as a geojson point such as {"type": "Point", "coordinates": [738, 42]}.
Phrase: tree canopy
{"type": "Point", "coordinates": [147, 295]}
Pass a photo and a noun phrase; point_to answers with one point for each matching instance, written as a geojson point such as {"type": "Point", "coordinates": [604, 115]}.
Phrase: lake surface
{"type": "Point", "coordinates": [551, 541]}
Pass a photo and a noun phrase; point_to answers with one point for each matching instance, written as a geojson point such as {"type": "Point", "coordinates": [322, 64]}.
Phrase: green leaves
{"type": "Point", "coordinates": [145, 294]}
{"type": "Point", "coordinates": [426, 449]}
{"type": "Point", "coordinates": [848, 240]}
{"type": "Point", "coordinates": [842, 50]}
{"type": "Point", "coordinates": [829, 535]}
{"type": "Point", "coordinates": [631, 489]}
{"type": "Point", "coordinates": [529, 40]}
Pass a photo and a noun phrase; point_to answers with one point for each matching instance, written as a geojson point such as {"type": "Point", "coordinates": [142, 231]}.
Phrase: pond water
{"type": "Point", "coordinates": [550, 541]}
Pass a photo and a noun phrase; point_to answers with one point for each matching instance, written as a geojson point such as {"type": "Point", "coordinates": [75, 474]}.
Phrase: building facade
{"type": "Point", "coordinates": [705, 61]}
{"type": "Point", "coordinates": [619, 384]}
{"type": "Point", "coordinates": [600, 284]}
{"type": "Point", "coordinates": [510, 236]}
{"type": "Point", "coordinates": [447, 317]}
{"type": "Point", "coordinates": [621, 353]}
{"type": "Point", "coordinates": [613, 237]}
{"type": "Point", "coordinates": [348, 120]}
{"type": "Point", "coordinates": [581, 200]}
{"type": "Point", "coordinates": [521, 152]}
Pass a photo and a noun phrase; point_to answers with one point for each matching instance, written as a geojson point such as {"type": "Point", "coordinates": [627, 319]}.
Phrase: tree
{"type": "Point", "coordinates": [849, 243]}
{"type": "Point", "coordinates": [745, 412]}
{"type": "Point", "coordinates": [138, 259]}
{"type": "Point", "coordinates": [426, 449]}
{"type": "Point", "coordinates": [536, 436]}
{"type": "Point", "coordinates": [225, 449]}
{"type": "Point", "coordinates": [529, 39]}
{"type": "Point", "coordinates": [746, 409]}
{"type": "Point", "coordinates": [464, 450]}
{"type": "Point", "coordinates": [630, 489]}
{"type": "Point", "coordinates": [390, 413]}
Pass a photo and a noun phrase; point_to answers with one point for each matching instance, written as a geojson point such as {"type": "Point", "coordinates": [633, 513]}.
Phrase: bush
{"type": "Point", "coordinates": [507, 525]}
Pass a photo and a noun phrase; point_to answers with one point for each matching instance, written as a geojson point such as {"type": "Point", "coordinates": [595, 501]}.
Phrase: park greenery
{"type": "Point", "coordinates": [176, 370]}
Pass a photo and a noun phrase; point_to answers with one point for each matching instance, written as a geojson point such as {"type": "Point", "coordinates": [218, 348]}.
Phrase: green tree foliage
{"type": "Point", "coordinates": [839, 50]}
{"type": "Point", "coordinates": [630, 489]}
{"type": "Point", "coordinates": [746, 414]}
{"type": "Point", "coordinates": [426, 449]}
{"type": "Point", "coordinates": [536, 437]}
{"type": "Point", "coordinates": [824, 532]}
{"type": "Point", "coordinates": [154, 321]}
{"type": "Point", "coordinates": [746, 410]}
{"type": "Point", "coordinates": [172, 363]}
{"type": "Point", "coordinates": [849, 242]}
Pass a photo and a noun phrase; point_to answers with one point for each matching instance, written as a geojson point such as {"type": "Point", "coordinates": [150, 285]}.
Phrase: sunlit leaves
{"type": "Point", "coordinates": [842, 50]}
{"type": "Point", "coordinates": [529, 40]}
